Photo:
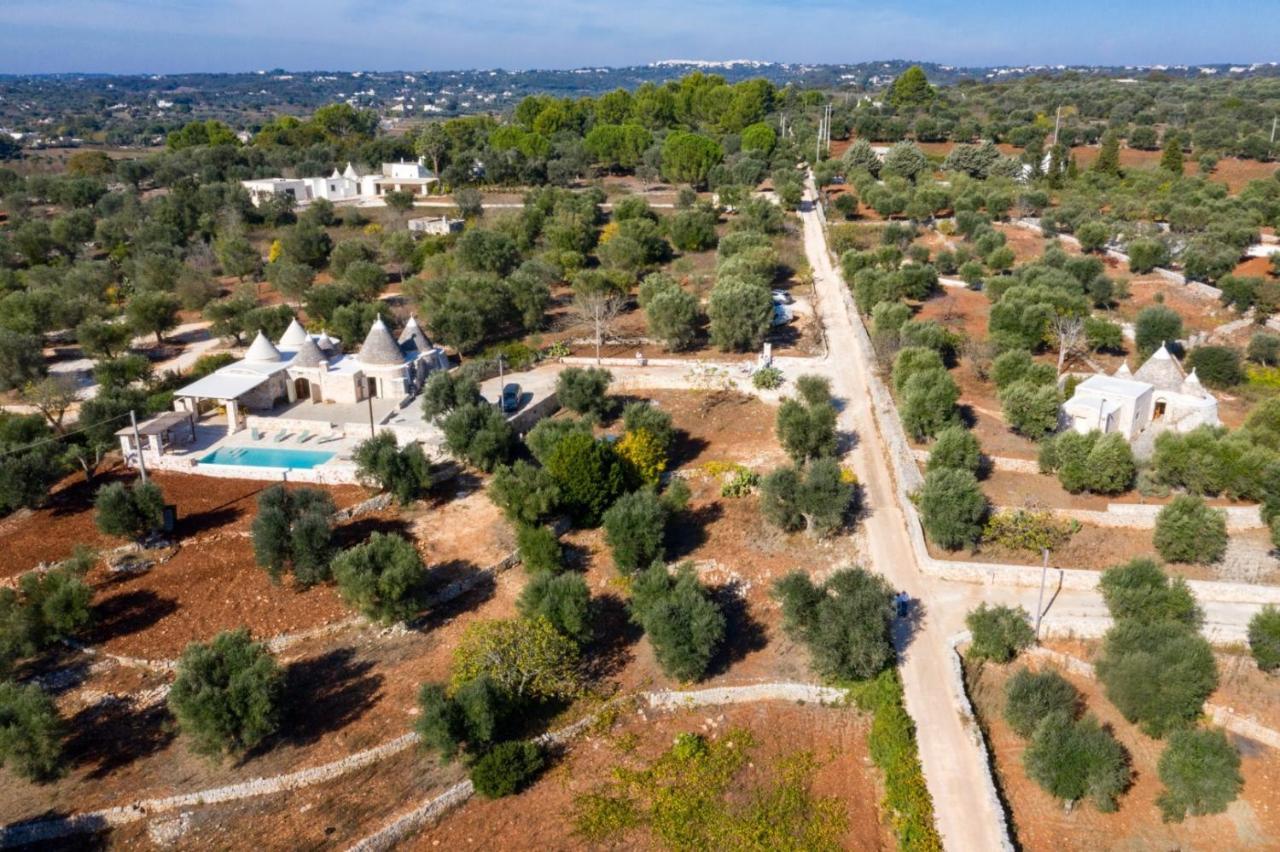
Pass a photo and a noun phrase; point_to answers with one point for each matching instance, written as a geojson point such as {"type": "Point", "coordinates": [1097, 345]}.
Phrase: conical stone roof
{"type": "Point", "coordinates": [294, 335]}
{"type": "Point", "coordinates": [414, 336]}
{"type": "Point", "coordinates": [308, 355]}
{"type": "Point", "coordinates": [325, 342]}
{"type": "Point", "coordinates": [1161, 370]}
{"type": "Point", "coordinates": [262, 350]}
{"type": "Point", "coordinates": [380, 347]}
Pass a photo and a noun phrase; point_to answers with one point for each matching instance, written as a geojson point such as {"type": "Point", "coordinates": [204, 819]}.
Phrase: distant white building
{"type": "Point", "coordinates": [1159, 395]}
{"type": "Point", "coordinates": [345, 185]}
{"type": "Point", "coordinates": [304, 366]}
{"type": "Point", "coordinates": [436, 225]}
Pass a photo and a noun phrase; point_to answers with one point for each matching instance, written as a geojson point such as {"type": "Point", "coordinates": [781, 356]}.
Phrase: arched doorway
{"type": "Point", "coordinates": [301, 389]}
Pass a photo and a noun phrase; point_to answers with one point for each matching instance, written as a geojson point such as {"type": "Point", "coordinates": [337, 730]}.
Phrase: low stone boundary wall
{"type": "Point", "coordinates": [1009, 465]}
{"type": "Point", "coordinates": [1142, 516]}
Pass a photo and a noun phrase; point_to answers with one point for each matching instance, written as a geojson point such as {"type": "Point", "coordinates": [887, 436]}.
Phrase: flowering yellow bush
{"type": "Point", "coordinates": [644, 454]}
{"type": "Point", "coordinates": [273, 253]}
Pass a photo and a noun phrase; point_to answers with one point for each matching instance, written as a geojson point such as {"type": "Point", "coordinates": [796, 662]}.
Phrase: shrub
{"type": "Point", "coordinates": [446, 390]}
{"type": "Point", "coordinates": [806, 427]}
{"type": "Point", "coordinates": [1216, 366]}
{"type": "Point", "coordinates": [524, 657]}
{"type": "Point", "coordinates": [1025, 529]}
{"type": "Point", "coordinates": [1264, 638]}
{"type": "Point", "coordinates": [1264, 349]}
{"type": "Point", "coordinates": [952, 508]}
{"type": "Point", "coordinates": [1031, 409]}
{"type": "Point", "coordinates": [562, 599]}
{"type": "Point", "coordinates": [1017, 365]}
{"type": "Point", "coordinates": [999, 632]}
{"type": "Point", "coordinates": [539, 549]}
{"type": "Point", "coordinates": [634, 528]}
{"type": "Point", "coordinates": [1200, 770]}
{"type": "Point", "coordinates": [404, 472]}
{"type": "Point", "coordinates": [1074, 759]}
{"type": "Point", "coordinates": [589, 473]}
{"type": "Point", "coordinates": [1103, 335]}
{"type": "Point", "coordinates": [1155, 326]}
{"type": "Point", "coordinates": [673, 317]}
{"type": "Point", "coordinates": [1139, 589]}
{"type": "Point", "coordinates": [479, 435]}
{"type": "Point", "coordinates": [472, 718]}
{"type": "Point", "coordinates": [526, 493]}
{"type": "Point", "coordinates": [767, 378]}
{"type": "Point", "coordinates": [227, 694]}
{"type": "Point", "coordinates": [583, 390]}
{"type": "Point", "coordinates": [293, 529]}
{"type": "Point", "coordinates": [546, 435]}
{"type": "Point", "coordinates": [913, 360]}
{"type": "Point", "coordinates": [845, 622]}
{"type": "Point", "coordinates": [929, 403]}
{"type": "Point", "coordinates": [31, 732]}
{"type": "Point", "coordinates": [1158, 674]}
{"type": "Point", "coordinates": [1189, 531]}
{"type": "Point", "coordinates": [683, 623]}
{"type": "Point", "coordinates": [652, 419]}
{"type": "Point", "coordinates": [643, 455]}
{"type": "Point", "coordinates": [383, 578]}
{"type": "Point", "coordinates": [1031, 696]}
{"type": "Point", "coordinates": [129, 512]}
{"type": "Point", "coordinates": [507, 768]}
{"type": "Point", "coordinates": [814, 498]}
{"type": "Point", "coordinates": [740, 313]}
{"type": "Point", "coordinates": [956, 448]}
{"type": "Point", "coordinates": [46, 606]}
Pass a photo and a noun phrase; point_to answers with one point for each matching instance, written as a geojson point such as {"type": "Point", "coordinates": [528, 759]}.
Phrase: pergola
{"type": "Point", "coordinates": [226, 388]}
{"type": "Point", "coordinates": [156, 432]}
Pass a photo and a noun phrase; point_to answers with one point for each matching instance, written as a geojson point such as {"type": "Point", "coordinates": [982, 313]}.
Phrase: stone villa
{"type": "Point", "coordinates": [347, 185]}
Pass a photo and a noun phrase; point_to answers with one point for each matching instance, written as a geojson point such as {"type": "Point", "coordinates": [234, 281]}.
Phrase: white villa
{"type": "Point", "coordinates": [347, 185]}
{"type": "Point", "coordinates": [312, 367]}
{"type": "Point", "coordinates": [1159, 395]}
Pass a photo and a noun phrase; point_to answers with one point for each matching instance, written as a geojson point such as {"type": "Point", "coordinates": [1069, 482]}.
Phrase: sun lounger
{"type": "Point", "coordinates": [281, 435]}
{"type": "Point", "coordinates": [332, 436]}
{"type": "Point", "coordinates": [304, 436]}
{"type": "Point", "coordinates": [255, 434]}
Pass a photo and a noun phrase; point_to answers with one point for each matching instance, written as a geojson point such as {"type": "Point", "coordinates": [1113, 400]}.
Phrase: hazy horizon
{"type": "Point", "coordinates": [227, 36]}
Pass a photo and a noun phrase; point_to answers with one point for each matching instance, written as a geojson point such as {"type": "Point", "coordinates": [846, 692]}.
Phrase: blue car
{"type": "Point", "coordinates": [511, 397]}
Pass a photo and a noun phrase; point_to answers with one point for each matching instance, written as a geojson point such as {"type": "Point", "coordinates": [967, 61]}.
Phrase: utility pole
{"type": "Point", "coordinates": [1044, 572]}
{"type": "Point", "coordinates": [501, 385]}
{"type": "Point", "coordinates": [137, 442]}
{"type": "Point", "coordinates": [1057, 124]}
{"type": "Point", "coordinates": [369, 398]}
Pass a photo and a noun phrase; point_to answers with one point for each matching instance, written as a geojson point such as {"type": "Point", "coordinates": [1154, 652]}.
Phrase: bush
{"type": "Point", "coordinates": [446, 390]}
{"type": "Point", "coordinates": [913, 360]}
{"type": "Point", "coordinates": [227, 694]}
{"type": "Point", "coordinates": [405, 473]}
{"type": "Point", "coordinates": [583, 390]}
{"type": "Point", "coordinates": [652, 419]}
{"type": "Point", "coordinates": [589, 473]}
{"type": "Point", "coordinates": [634, 528]}
{"type": "Point", "coordinates": [507, 768]}
{"type": "Point", "coordinates": [956, 448]}
{"type": "Point", "coordinates": [546, 435]}
{"type": "Point", "coordinates": [1158, 674]}
{"type": "Point", "coordinates": [999, 632]}
{"type": "Point", "coordinates": [1027, 529]}
{"type": "Point", "coordinates": [1155, 326]}
{"type": "Point", "coordinates": [1029, 697]}
{"type": "Point", "coordinates": [383, 578]}
{"type": "Point", "coordinates": [31, 732]}
{"type": "Point", "coordinates": [471, 719]}
{"type": "Point", "coordinates": [643, 455]}
{"type": "Point", "coordinates": [1030, 409]}
{"type": "Point", "coordinates": [47, 606]}
{"type": "Point", "coordinates": [1101, 464]}
{"type": "Point", "coordinates": [1216, 366]}
{"type": "Point", "coordinates": [683, 623]}
{"type": "Point", "coordinates": [563, 600]}
{"type": "Point", "coordinates": [929, 403]}
{"type": "Point", "coordinates": [1074, 759]}
{"type": "Point", "coordinates": [1264, 638]}
{"type": "Point", "coordinates": [539, 549]}
{"type": "Point", "coordinates": [1200, 770]}
{"type": "Point", "coordinates": [740, 314]}
{"type": "Point", "coordinates": [673, 317]}
{"type": "Point", "coordinates": [845, 622]}
{"type": "Point", "coordinates": [806, 427]}
{"type": "Point", "coordinates": [814, 498]}
{"type": "Point", "coordinates": [1189, 531]}
{"type": "Point", "coordinates": [1264, 349]}
{"type": "Point", "coordinates": [1017, 365]}
{"type": "Point", "coordinates": [1140, 590]}
{"type": "Point", "coordinates": [524, 657]}
{"type": "Point", "coordinates": [129, 512]}
{"type": "Point", "coordinates": [526, 493]}
{"type": "Point", "coordinates": [293, 529]}
{"type": "Point", "coordinates": [767, 378]}
{"type": "Point", "coordinates": [952, 508]}
{"type": "Point", "coordinates": [479, 435]}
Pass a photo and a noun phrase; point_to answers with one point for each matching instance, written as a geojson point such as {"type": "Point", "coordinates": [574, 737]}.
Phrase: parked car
{"type": "Point", "coordinates": [782, 314]}
{"type": "Point", "coordinates": [511, 397]}
{"type": "Point", "coordinates": [782, 297]}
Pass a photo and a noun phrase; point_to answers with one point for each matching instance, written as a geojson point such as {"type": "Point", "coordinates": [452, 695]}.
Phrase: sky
{"type": "Point", "coordinates": [170, 36]}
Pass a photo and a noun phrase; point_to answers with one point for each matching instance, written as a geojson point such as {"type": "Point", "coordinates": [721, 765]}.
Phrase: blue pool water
{"type": "Point", "coordinates": [267, 457]}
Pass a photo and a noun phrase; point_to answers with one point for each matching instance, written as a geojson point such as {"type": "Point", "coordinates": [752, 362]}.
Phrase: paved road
{"type": "Point", "coordinates": [954, 767]}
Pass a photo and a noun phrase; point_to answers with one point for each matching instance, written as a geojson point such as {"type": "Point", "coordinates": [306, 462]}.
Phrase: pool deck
{"type": "Point", "coordinates": [211, 436]}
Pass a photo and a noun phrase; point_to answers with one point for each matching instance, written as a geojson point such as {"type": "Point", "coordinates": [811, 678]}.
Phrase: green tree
{"type": "Point", "coordinates": [539, 549]}
{"type": "Point", "coordinates": [151, 312]}
{"type": "Point", "coordinates": [128, 512]}
{"type": "Point", "coordinates": [526, 493]}
{"type": "Point", "coordinates": [845, 622]}
{"type": "Point", "coordinates": [1158, 674]}
{"type": "Point", "coordinates": [683, 623]}
{"type": "Point", "coordinates": [1029, 409]}
{"type": "Point", "coordinates": [102, 339]}
{"type": "Point", "coordinates": [689, 157]}
{"type": "Point", "coordinates": [479, 435]}
{"type": "Point", "coordinates": [956, 447]}
{"type": "Point", "coordinates": [634, 529]}
{"type": "Point", "coordinates": [952, 508]}
{"type": "Point", "coordinates": [1171, 155]}
{"type": "Point", "coordinates": [525, 658]}
{"type": "Point", "coordinates": [1187, 530]}
{"type": "Point", "coordinates": [806, 427]}
{"type": "Point", "coordinates": [911, 89]}
{"type": "Point", "coordinates": [1200, 770]}
{"type": "Point", "coordinates": [1032, 696]}
{"type": "Point", "coordinates": [562, 599]}
{"type": "Point", "coordinates": [740, 314]}
{"type": "Point", "coordinates": [1072, 760]}
{"type": "Point", "coordinates": [227, 694]}
{"type": "Point", "coordinates": [585, 391]}
{"type": "Point", "coordinates": [236, 255]}
{"type": "Point", "coordinates": [294, 530]}
{"type": "Point", "coordinates": [446, 390]}
{"type": "Point", "coordinates": [590, 475]}
{"type": "Point", "coordinates": [31, 732]}
{"type": "Point", "coordinates": [1108, 161]}
{"type": "Point", "coordinates": [998, 633]}
{"type": "Point", "coordinates": [905, 160]}
{"type": "Point", "coordinates": [507, 768]}
{"type": "Point", "coordinates": [929, 403]}
{"type": "Point", "coordinates": [383, 578]}
{"type": "Point", "coordinates": [1140, 589]}
{"type": "Point", "coordinates": [402, 471]}
{"type": "Point", "coordinates": [1155, 326]}
{"type": "Point", "coordinates": [1264, 638]}
{"type": "Point", "coordinates": [673, 317]}
{"type": "Point", "coordinates": [401, 201]}
{"type": "Point", "coordinates": [814, 498]}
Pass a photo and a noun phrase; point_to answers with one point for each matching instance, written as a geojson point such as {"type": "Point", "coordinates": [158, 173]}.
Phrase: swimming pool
{"type": "Point", "coordinates": [267, 457]}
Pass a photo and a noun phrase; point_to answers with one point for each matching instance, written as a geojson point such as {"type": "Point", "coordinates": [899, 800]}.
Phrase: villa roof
{"type": "Point", "coordinates": [294, 335]}
{"type": "Point", "coordinates": [325, 342]}
{"type": "Point", "coordinates": [414, 336]}
{"type": "Point", "coordinates": [1111, 386]}
{"type": "Point", "coordinates": [1161, 370]}
{"type": "Point", "coordinates": [262, 349]}
{"type": "Point", "coordinates": [380, 347]}
{"type": "Point", "coordinates": [223, 385]}
{"type": "Point", "coordinates": [309, 354]}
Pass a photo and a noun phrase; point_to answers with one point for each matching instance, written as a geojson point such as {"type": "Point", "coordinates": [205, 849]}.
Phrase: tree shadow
{"type": "Point", "coordinates": [686, 448]}
{"type": "Point", "coordinates": [126, 613]}
{"type": "Point", "coordinates": [905, 628]}
{"type": "Point", "coordinates": [968, 416]}
{"type": "Point", "coordinates": [356, 531]}
{"type": "Point", "coordinates": [615, 635]}
{"type": "Point", "coordinates": [438, 613]}
{"type": "Point", "coordinates": [94, 833]}
{"type": "Point", "coordinates": [327, 693]}
{"type": "Point", "coordinates": [687, 530]}
{"type": "Point", "coordinates": [744, 633]}
{"type": "Point", "coordinates": [113, 734]}
{"type": "Point", "coordinates": [78, 496]}
{"type": "Point", "coordinates": [210, 519]}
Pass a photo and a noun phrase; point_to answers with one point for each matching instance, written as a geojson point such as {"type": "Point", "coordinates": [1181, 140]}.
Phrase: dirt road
{"type": "Point", "coordinates": [953, 765]}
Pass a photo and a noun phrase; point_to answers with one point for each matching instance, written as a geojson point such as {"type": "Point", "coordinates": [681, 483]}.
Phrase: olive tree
{"type": "Point", "coordinates": [844, 622]}
{"type": "Point", "coordinates": [383, 578]}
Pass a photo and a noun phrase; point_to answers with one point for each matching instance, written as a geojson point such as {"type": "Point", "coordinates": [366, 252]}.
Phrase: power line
{"type": "Point", "coordinates": [57, 438]}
